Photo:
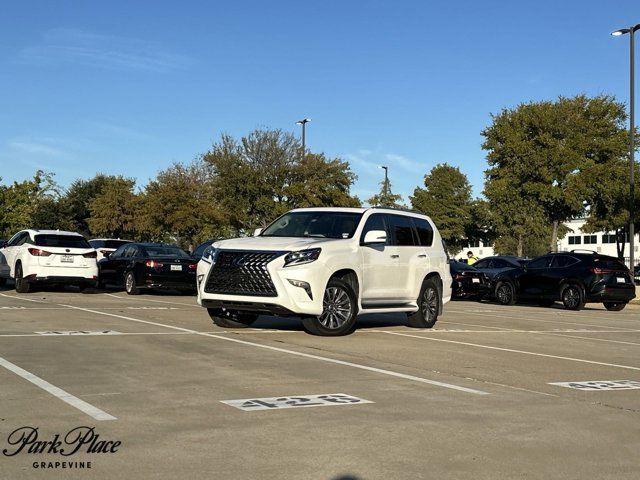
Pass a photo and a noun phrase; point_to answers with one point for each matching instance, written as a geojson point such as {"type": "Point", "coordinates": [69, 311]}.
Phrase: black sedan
{"type": "Point", "coordinates": [492, 266]}
{"type": "Point", "coordinates": [467, 281]}
{"type": "Point", "coordinates": [199, 250]}
{"type": "Point", "coordinates": [139, 266]}
{"type": "Point", "coordinates": [574, 278]}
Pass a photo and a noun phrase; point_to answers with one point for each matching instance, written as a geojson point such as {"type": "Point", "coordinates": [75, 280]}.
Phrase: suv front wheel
{"type": "Point", "coordinates": [428, 306]}
{"type": "Point", "coordinates": [338, 316]}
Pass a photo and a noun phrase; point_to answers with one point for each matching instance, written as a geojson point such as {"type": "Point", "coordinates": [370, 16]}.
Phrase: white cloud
{"type": "Point", "coordinates": [36, 148]}
{"type": "Point", "coordinates": [64, 46]}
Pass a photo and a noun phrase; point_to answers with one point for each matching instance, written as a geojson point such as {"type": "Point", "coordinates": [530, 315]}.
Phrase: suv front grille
{"type": "Point", "coordinates": [242, 273]}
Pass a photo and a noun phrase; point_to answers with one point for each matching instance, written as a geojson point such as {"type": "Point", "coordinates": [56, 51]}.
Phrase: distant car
{"type": "Point", "coordinates": [48, 257]}
{"type": "Point", "coordinates": [106, 246]}
{"type": "Point", "coordinates": [491, 266]}
{"type": "Point", "coordinates": [575, 278]}
{"type": "Point", "coordinates": [467, 281]}
{"type": "Point", "coordinates": [139, 266]}
{"type": "Point", "coordinates": [199, 250]}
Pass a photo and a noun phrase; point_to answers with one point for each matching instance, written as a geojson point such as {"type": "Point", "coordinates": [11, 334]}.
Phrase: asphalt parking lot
{"type": "Point", "coordinates": [472, 398]}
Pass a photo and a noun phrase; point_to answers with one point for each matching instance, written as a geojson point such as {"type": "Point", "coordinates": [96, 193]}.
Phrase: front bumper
{"type": "Point", "coordinates": [288, 300]}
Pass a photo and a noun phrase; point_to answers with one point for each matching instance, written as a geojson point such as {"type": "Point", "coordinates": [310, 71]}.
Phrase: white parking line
{"type": "Point", "coordinates": [22, 298]}
{"type": "Point", "coordinates": [75, 402]}
{"type": "Point", "coordinates": [293, 352]}
{"type": "Point", "coordinates": [523, 352]}
{"type": "Point", "coordinates": [194, 304]}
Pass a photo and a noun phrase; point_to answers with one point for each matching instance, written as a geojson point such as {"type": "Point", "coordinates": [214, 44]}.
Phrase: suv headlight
{"type": "Point", "coordinates": [209, 254]}
{"type": "Point", "coordinates": [302, 257]}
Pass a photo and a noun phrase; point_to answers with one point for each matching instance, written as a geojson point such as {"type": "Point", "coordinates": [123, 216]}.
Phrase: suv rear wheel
{"type": "Point", "coordinates": [428, 306]}
{"type": "Point", "coordinates": [572, 297]}
{"type": "Point", "coordinates": [340, 306]}
{"type": "Point", "coordinates": [614, 307]}
{"type": "Point", "coordinates": [227, 319]}
{"type": "Point", "coordinates": [505, 293]}
{"type": "Point", "coordinates": [22, 286]}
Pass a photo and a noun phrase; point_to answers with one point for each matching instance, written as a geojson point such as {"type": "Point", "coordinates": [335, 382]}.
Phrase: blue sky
{"type": "Point", "coordinates": [131, 87]}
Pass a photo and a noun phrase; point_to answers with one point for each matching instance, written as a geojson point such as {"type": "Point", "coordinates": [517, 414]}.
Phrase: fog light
{"type": "Point", "coordinates": [301, 284]}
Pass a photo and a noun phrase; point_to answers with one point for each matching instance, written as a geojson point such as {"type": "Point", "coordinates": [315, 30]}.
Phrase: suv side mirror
{"type": "Point", "coordinates": [375, 236]}
{"type": "Point", "coordinates": [257, 232]}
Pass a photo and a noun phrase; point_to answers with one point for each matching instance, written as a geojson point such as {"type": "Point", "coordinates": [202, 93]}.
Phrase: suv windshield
{"type": "Point", "coordinates": [314, 224]}
{"type": "Point", "coordinates": [68, 241]}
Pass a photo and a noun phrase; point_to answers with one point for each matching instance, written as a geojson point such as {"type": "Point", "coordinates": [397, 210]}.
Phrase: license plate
{"type": "Point", "coordinates": [475, 280]}
{"type": "Point", "coordinates": [66, 258]}
{"type": "Point", "coordinates": [621, 280]}
{"type": "Point", "coordinates": [176, 268]}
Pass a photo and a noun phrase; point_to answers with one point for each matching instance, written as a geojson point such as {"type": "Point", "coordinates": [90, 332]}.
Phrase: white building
{"type": "Point", "coordinates": [601, 242]}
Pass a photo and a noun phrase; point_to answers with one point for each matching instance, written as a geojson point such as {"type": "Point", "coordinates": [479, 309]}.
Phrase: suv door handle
{"type": "Point", "coordinates": [395, 256]}
{"type": "Point", "coordinates": [423, 255]}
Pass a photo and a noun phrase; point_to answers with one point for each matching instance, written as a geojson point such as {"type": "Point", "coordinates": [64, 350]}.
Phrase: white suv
{"type": "Point", "coordinates": [328, 265]}
{"type": "Point", "coordinates": [48, 256]}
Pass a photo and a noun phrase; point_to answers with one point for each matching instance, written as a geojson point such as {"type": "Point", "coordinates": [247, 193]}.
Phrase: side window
{"type": "Point", "coordinates": [542, 262]}
{"type": "Point", "coordinates": [374, 222]}
{"type": "Point", "coordinates": [498, 263]}
{"type": "Point", "coordinates": [402, 231]}
{"type": "Point", "coordinates": [128, 251]}
{"type": "Point", "coordinates": [482, 264]}
{"type": "Point", "coordinates": [13, 241]}
{"type": "Point", "coordinates": [424, 230]}
{"type": "Point", "coordinates": [561, 261]}
{"type": "Point", "coordinates": [24, 239]}
{"type": "Point", "coordinates": [119, 252]}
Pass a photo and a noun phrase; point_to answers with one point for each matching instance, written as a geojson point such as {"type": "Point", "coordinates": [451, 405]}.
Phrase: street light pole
{"type": "Point", "coordinates": [386, 180]}
{"type": "Point", "coordinates": [631, 31]}
{"type": "Point", "coordinates": [303, 122]}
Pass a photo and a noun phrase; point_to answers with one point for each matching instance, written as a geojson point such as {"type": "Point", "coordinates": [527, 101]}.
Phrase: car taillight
{"type": "Point", "coordinates": [193, 266]}
{"type": "Point", "coordinates": [153, 264]}
{"type": "Point", "coordinates": [90, 255]}
{"type": "Point", "coordinates": [458, 276]}
{"type": "Point", "coordinates": [36, 252]}
{"type": "Point", "coordinates": [602, 271]}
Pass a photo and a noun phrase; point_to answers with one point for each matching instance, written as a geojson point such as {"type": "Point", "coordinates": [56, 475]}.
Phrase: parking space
{"type": "Point", "coordinates": [471, 398]}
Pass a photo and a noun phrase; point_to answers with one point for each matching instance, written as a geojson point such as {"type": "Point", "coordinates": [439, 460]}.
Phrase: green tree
{"type": "Point", "coordinates": [386, 197]}
{"type": "Point", "coordinates": [180, 205]}
{"type": "Point", "coordinates": [79, 196]}
{"type": "Point", "coordinates": [114, 211]}
{"type": "Point", "coordinates": [261, 176]}
{"type": "Point", "coordinates": [538, 150]}
{"type": "Point", "coordinates": [446, 198]}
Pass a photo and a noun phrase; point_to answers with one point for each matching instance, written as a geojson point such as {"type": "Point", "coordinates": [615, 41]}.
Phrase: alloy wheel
{"type": "Point", "coordinates": [129, 282]}
{"type": "Point", "coordinates": [429, 304]}
{"type": "Point", "coordinates": [571, 297]}
{"type": "Point", "coordinates": [504, 293]}
{"type": "Point", "coordinates": [336, 308]}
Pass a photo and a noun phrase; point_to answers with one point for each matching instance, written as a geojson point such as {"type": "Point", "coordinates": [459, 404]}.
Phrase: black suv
{"type": "Point", "coordinates": [575, 278]}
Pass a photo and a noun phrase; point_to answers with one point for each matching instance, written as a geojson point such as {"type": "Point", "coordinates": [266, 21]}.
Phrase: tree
{"type": "Point", "coordinates": [446, 198]}
{"type": "Point", "coordinates": [20, 202]}
{"type": "Point", "coordinates": [79, 196]}
{"type": "Point", "coordinates": [261, 177]}
{"type": "Point", "coordinates": [180, 205]}
{"type": "Point", "coordinates": [537, 152]}
{"type": "Point", "coordinates": [114, 211]}
{"type": "Point", "coordinates": [386, 198]}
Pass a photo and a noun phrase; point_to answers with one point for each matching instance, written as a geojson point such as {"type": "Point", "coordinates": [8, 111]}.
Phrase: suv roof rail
{"type": "Point", "coordinates": [584, 250]}
{"type": "Point", "coordinates": [399, 209]}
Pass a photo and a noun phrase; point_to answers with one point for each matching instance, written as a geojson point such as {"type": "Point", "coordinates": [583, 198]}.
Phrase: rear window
{"type": "Point", "coordinates": [162, 251]}
{"type": "Point", "coordinates": [67, 241]}
{"type": "Point", "coordinates": [608, 262]}
{"type": "Point", "coordinates": [114, 243]}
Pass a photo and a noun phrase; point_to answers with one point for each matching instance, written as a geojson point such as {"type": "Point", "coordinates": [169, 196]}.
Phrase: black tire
{"type": "Point", "coordinates": [505, 293]}
{"type": "Point", "coordinates": [429, 303]}
{"type": "Point", "coordinates": [614, 306]}
{"type": "Point", "coordinates": [546, 303]}
{"type": "Point", "coordinates": [572, 297]}
{"type": "Point", "coordinates": [130, 285]}
{"type": "Point", "coordinates": [22, 286]}
{"type": "Point", "coordinates": [228, 319]}
{"type": "Point", "coordinates": [340, 305]}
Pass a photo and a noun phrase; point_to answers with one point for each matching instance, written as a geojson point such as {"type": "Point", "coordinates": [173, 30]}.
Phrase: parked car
{"type": "Point", "coordinates": [138, 266]}
{"type": "Point", "coordinates": [106, 246]}
{"type": "Point", "coordinates": [468, 281]}
{"type": "Point", "coordinates": [636, 274]}
{"type": "Point", "coordinates": [328, 265]}
{"type": "Point", "coordinates": [575, 278]}
{"type": "Point", "coordinates": [491, 266]}
{"type": "Point", "coordinates": [199, 250]}
{"type": "Point", "coordinates": [48, 257]}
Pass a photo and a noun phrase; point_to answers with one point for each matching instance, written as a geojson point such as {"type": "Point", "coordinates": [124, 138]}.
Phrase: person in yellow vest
{"type": "Point", "coordinates": [471, 258]}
